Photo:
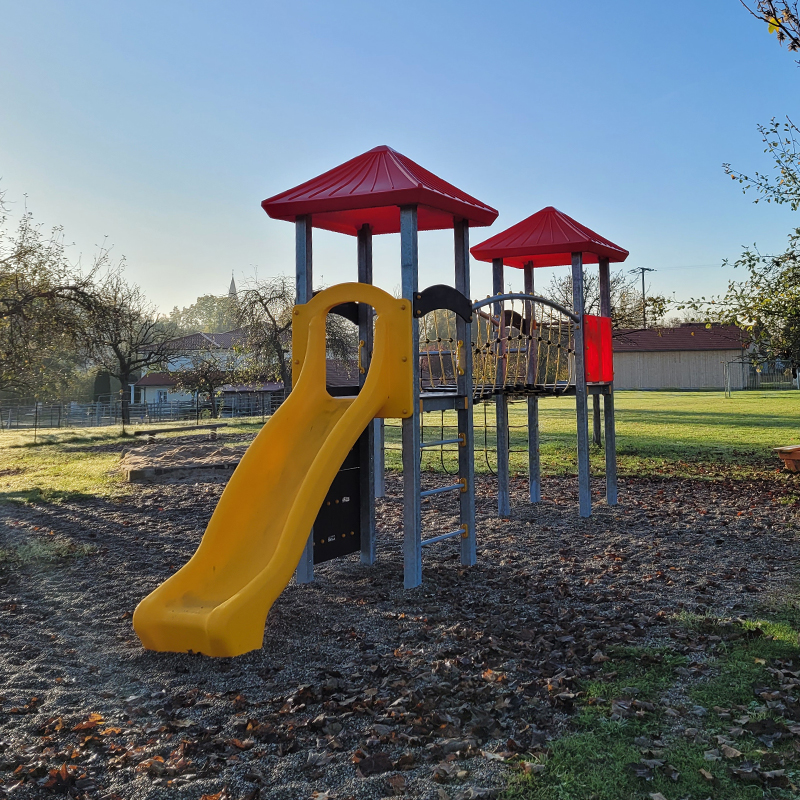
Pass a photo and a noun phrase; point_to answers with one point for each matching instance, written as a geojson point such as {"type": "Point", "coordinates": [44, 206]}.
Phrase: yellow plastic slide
{"type": "Point", "coordinates": [218, 602]}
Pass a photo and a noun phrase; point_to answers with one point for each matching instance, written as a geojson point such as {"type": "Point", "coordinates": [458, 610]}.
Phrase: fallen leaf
{"type": "Point", "coordinates": [729, 752]}
{"type": "Point", "coordinates": [397, 783]}
{"type": "Point", "coordinates": [92, 721]}
{"type": "Point", "coordinates": [374, 765]}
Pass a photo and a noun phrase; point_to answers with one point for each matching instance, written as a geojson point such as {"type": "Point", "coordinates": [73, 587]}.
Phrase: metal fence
{"type": "Point", "coordinates": [17, 415]}
{"type": "Point", "coordinates": [763, 377]}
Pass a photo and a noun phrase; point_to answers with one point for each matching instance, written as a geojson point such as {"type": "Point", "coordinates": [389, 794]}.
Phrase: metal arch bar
{"type": "Point", "coordinates": [434, 539]}
{"type": "Point", "coordinates": [442, 296]}
{"type": "Point", "coordinates": [440, 442]}
{"type": "Point", "coordinates": [532, 297]}
{"type": "Point", "coordinates": [451, 488]}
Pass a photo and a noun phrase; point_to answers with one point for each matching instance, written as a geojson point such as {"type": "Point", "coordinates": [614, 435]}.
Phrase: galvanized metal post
{"type": "Point", "coordinates": [412, 511]}
{"type": "Point", "coordinates": [581, 404]}
{"type": "Point", "coordinates": [501, 400]}
{"type": "Point", "coordinates": [367, 440]}
{"type": "Point", "coordinates": [379, 458]}
{"type": "Point", "coordinates": [609, 421]}
{"type": "Point", "coordinates": [304, 292]}
{"type": "Point", "coordinates": [466, 448]}
{"type": "Point", "coordinates": [534, 461]}
{"type": "Point", "coordinates": [596, 435]}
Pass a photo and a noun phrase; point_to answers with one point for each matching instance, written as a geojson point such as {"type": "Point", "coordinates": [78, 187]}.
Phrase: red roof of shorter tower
{"type": "Point", "coordinates": [548, 239]}
{"type": "Point", "coordinates": [370, 188]}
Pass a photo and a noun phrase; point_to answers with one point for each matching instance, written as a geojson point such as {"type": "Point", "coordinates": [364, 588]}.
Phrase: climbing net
{"type": "Point", "coordinates": [521, 344]}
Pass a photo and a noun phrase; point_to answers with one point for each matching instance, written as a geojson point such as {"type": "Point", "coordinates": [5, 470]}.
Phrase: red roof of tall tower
{"type": "Point", "coordinates": [370, 188]}
{"type": "Point", "coordinates": [548, 239]}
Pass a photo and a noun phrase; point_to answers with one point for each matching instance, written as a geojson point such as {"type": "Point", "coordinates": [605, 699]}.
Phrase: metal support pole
{"type": "Point", "coordinates": [501, 400]}
{"type": "Point", "coordinates": [581, 405]}
{"type": "Point", "coordinates": [527, 271]}
{"type": "Point", "coordinates": [609, 421]}
{"type": "Point", "coordinates": [303, 284]}
{"type": "Point", "coordinates": [534, 461]}
{"type": "Point", "coordinates": [611, 447]}
{"type": "Point", "coordinates": [412, 511]}
{"type": "Point", "coordinates": [596, 435]}
{"type": "Point", "coordinates": [367, 440]}
{"type": "Point", "coordinates": [466, 449]}
{"type": "Point", "coordinates": [379, 459]}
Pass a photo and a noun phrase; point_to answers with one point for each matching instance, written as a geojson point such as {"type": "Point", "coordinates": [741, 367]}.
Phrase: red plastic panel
{"type": "Point", "coordinates": [597, 349]}
{"type": "Point", "coordinates": [548, 238]}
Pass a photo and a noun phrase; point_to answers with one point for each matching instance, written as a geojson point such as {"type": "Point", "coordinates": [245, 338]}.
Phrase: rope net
{"type": "Point", "coordinates": [519, 346]}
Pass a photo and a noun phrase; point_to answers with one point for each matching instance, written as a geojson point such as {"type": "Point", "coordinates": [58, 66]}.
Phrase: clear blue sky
{"type": "Point", "coordinates": [162, 125]}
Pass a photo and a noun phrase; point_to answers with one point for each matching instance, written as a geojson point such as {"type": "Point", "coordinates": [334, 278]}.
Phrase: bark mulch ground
{"type": "Point", "coordinates": [362, 689]}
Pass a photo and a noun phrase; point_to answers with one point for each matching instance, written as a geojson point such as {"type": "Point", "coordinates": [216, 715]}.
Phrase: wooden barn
{"type": "Point", "coordinates": [690, 356]}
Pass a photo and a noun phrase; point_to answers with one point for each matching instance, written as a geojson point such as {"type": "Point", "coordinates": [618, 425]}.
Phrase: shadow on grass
{"type": "Point", "coordinates": [37, 495]}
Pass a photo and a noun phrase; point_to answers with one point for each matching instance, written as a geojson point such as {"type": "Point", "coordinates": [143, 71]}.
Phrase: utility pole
{"type": "Point", "coordinates": [644, 299]}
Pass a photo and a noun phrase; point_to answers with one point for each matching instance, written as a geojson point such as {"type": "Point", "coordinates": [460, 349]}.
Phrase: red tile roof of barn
{"type": "Point", "coordinates": [369, 189]}
{"type": "Point", "coordinates": [688, 336]}
{"type": "Point", "coordinates": [548, 238]}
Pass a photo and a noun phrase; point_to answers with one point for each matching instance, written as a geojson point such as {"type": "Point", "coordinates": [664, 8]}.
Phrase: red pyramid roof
{"type": "Point", "coordinates": [370, 188]}
{"type": "Point", "coordinates": [548, 239]}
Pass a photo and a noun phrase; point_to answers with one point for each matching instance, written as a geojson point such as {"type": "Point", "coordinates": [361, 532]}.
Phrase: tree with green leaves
{"type": "Point", "coordinates": [766, 304]}
{"type": "Point", "coordinates": [44, 300]}
{"type": "Point", "coordinates": [208, 314]}
{"type": "Point", "coordinates": [782, 143]}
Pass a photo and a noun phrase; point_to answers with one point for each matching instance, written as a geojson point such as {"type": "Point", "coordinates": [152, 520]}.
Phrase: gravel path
{"type": "Point", "coordinates": [362, 689]}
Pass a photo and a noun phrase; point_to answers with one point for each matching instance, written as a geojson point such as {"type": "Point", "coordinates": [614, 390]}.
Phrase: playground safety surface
{"type": "Point", "coordinates": [362, 690]}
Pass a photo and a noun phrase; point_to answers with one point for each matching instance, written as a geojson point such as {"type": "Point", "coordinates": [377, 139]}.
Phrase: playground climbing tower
{"type": "Point", "coordinates": [380, 192]}
{"type": "Point", "coordinates": [550, 238]}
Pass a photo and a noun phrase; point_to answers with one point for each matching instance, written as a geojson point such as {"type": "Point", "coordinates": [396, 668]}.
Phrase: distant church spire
{"type": "Point", "coordinates": [232, 288]}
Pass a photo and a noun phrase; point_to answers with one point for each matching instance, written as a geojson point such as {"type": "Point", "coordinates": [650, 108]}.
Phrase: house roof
{"type": "Point", "coordinates": [688, 336]}
{"type": "Point", "coordinates": [340, 373]}
{"type": "Point", "coordinates": [548, 238]}
{"type": "Point", "coordinates": [156, 379]}
{"type": "Point", "coordinates": [369, 189]}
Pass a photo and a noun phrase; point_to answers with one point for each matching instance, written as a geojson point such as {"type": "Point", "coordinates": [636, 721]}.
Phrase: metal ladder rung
{"type": "Point", "coordinates": [460, 532]}
{"type": "Point", "coordinates": [440, 442]}
{"type": "Point", "coordinates": [441, 489]}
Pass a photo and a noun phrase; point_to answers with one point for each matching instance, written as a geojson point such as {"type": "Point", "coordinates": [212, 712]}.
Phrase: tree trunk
{"type": "Point", "coordinates": [213, 404]}
{"type": "Point", "coordinates": [126, 393]}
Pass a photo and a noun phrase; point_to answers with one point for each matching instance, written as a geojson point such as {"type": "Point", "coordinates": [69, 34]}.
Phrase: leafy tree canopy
{"type": "Point", "coordinates": [782, 142]}
{"type": "Point", "coordinates": [44, 299]}
{"type": "Point", "coordinates": [208, 314]}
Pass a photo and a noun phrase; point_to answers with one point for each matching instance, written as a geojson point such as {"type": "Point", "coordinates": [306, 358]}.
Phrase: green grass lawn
{"type": "Point", "coordinates": [682, 434]}
{"type": "Point", "coordinates": [658, 433]}
{"type": "Point", "coordinates": [72, 463]}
